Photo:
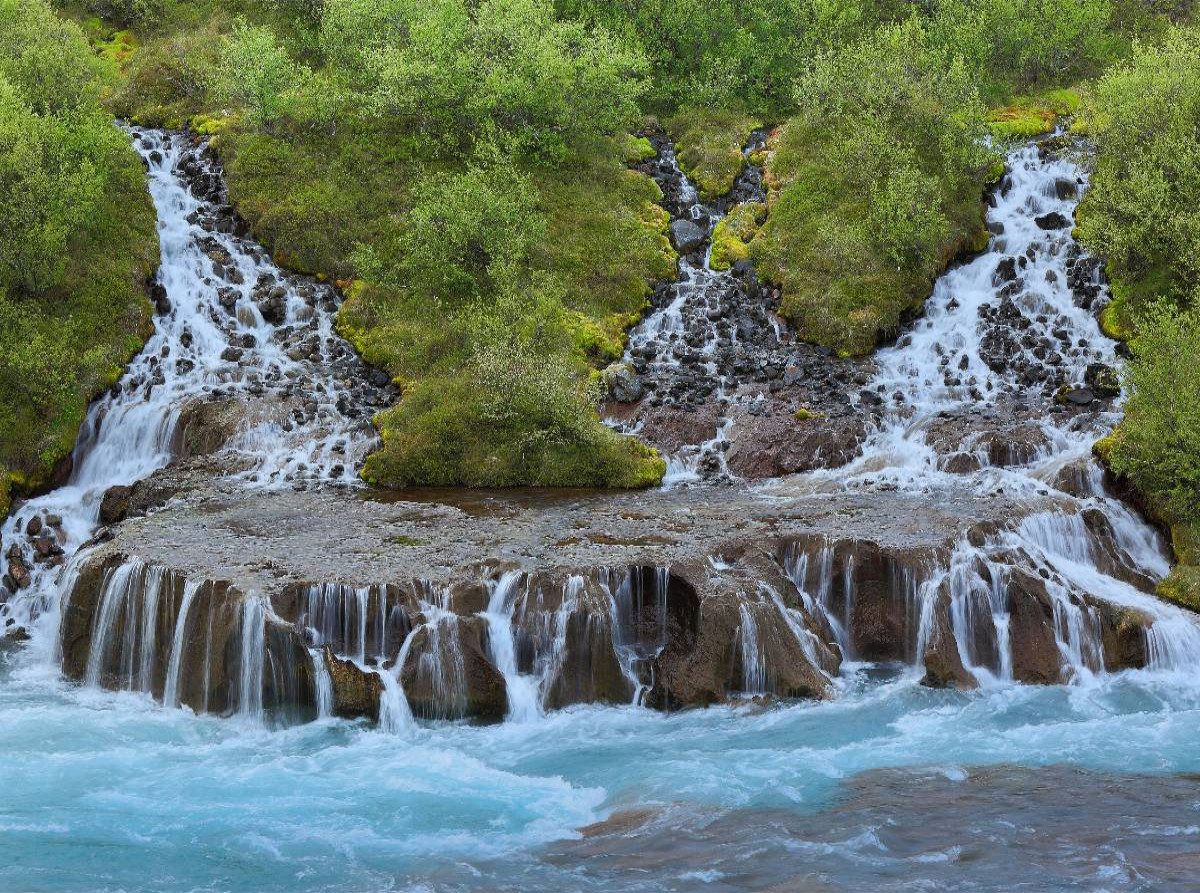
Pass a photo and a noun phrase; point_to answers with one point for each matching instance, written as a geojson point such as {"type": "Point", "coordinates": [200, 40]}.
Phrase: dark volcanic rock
{"type": "Point", "coordinates": [1053, 220]}
{"type": "Point", "coordinates": [686, 235]}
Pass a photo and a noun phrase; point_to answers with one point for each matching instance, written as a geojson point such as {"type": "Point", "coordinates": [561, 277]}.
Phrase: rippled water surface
{"type": "Point", "coordinates": [890, 786]}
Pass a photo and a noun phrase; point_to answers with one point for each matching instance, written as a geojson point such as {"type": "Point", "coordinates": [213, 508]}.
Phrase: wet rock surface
{"type": "Point", "coordinates": [730, 393]}
{"type": "Point", "coordinates": [666, 598]}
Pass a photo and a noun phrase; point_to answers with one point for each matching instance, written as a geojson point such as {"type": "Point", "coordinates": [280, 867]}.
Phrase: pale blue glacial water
{"type": "Point", "coordinates": [106, 791]}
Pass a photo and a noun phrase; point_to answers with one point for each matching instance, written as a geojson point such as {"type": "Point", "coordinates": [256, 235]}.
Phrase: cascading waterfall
{"type": "Point", "coordinates": [178, 641]}
{"type": "Point", "coordinates": [323, 685]}
{"type": "Point", "coordinates": [945, 363]}
{"type": "Point", "coordinates": [230, 326]}
{"type": "Point", "coordinates": [524, 703]}
{"type": "Point", "coordinates": [688, 327]}
{"type": "Point", "coordinates": [754, 663]}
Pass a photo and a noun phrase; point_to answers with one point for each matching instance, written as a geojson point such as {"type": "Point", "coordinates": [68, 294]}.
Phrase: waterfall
{"type": "Point", "coordinates": [395, 714]}
{"type": "Point", "coordinates": [113, 599]}
{"type": "Point", "coordinates": [687, 329]}
{"type": "Point", "coordinates": [754, 663]}
{"type": "Point", "coordinates": [252, 658]}
{"type": "Point", "coordinates": [523, 701]}
{"type": "Point", "coordinates": [323, 683]}
{"type": "Point", "coordinates": [211, 342]}
{"type": "Point", "coordinates": [178, 643]}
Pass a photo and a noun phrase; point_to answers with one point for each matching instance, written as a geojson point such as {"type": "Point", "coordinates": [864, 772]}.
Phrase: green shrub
{"type": "Point", "coordinates": [1142, 211]}
{"type": "Point", "coordinates": [1012, 45]}
{"type": "Point", "coordinates": [1158, 444]}
{"type": "Point", "coordinates": [876, 184]}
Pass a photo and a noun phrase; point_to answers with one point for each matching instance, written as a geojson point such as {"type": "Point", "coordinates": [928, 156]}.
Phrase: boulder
{"type": "Point", "coordinates": [687, 236]}
{"type": "Point", "coordinates": [1052, 221]}
{"type": "Point", "coordinates": [1102, 380]}
{"type": "Point", "coordinates": [943, 663]}
{"type": "Point", "coordinates": [622, 383]}
{"type": "Point", "coordinates": [114, 505]}
{"type": "Point", "coordinates": [446, 674]}
{"type": "Point", "coordinates": [1036, 659]}
{"type": "Point", "coordinates": [205, 426]}
{"type": "Point", "coordinates": [356, 692]}
{"type": "Point", "coordinates": [1065, 188]}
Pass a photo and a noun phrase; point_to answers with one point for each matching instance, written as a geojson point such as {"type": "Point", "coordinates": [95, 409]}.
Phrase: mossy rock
{"type": "Point", "coordinates": [1185, 540]}
{"type": "Point", "coordinates": [1182, 587]}
{"type": "Point", "coordinates": [709, 146]}
{"type": "Point", "coordinates": [1115, 320]}
{"type": "Point", "coordinates": [734, 232]}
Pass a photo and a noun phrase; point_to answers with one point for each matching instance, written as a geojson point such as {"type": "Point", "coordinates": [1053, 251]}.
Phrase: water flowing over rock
{"type": "Point", "coordinates": [935, 509]}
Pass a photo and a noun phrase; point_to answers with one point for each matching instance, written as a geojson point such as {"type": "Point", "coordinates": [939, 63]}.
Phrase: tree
{"type": "Point", "coordinates": [469, 234]}
{"type": "Point", "coordinates": [256, 72]}
{"type": "Point", "coordinates": [1158, 443]}
{"type": "Point", "coordinates": [505, 71]}
{"type": "Point", "coordinates": [48, 61]}
{"type": "Point", "coordinates": [50, 181]}
{"type": "Point", "coordinates": [1143, 210]}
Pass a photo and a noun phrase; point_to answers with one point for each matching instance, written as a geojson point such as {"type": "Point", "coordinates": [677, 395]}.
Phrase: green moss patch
{"type": "Point", "coordinates": [1182, 586]}
{"type": "Point", "coordinates": [1030, 116]}
{"type": "Point", "coordinates": [732, 235]}
{"type": "Point", "coordinates": [708, 145]}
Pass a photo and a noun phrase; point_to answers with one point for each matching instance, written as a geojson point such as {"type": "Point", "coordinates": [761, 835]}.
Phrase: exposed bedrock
{"type": "Point", "coordinates": [660, 599]}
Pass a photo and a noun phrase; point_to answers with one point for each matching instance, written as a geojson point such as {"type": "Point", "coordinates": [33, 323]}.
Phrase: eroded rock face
{"type": "Point", "coordinates": [204, 426]}
{"type": "Point", "coordinates": [447, 675]}
{"type": "Point", "coordinates": [662, 609]}
{"type": "Point", "coordinates": [356, 692]}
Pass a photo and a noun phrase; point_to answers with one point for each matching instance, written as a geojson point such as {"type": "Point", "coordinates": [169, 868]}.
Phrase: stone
{"type": "Point", "coordinates": [687, 236]}
{"type": "Point", "coordinates": [622, 383]}
{"type": "Point", "coordinates": [1102, 380]}
{"type": "Point", "coordinates": [1035, 656]}
{"type": "Point", "coordinates": [1075, 397]}
{"type": "Point", "coordinates": [447, 675]}
{"type": "Point", "coordinates": [114, 505]}
{"type": "Point", "coordinates": [204, 426]}
{"type": "Point", "coordinates": [1006, 270]}
{"type": "Point", "coordinates": [1065, 188]}
{"type": "Point", "coordinates": [356, 692]}
{"type": "Point", "coordinates": [1052, 221]}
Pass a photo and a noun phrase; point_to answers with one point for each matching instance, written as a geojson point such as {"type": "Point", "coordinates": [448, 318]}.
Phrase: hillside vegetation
{"type": "Point", "coordinates": [77, 242]}
{"type": "Point", "coordinates": [464, 170]}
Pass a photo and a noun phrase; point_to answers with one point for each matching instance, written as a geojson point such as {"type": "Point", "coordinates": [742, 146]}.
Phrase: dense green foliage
{"type": "Point", "coordinates": [1141, 213]}
{"type": "Point", "coordinates": [77, 240]}
{"type": "Point", "coordinates": [456, 159]}
{"type": "Point", "coordinates": [878, 181]}
{"type": "Point", "coordinates": [1143, 210]}
{"type": "Point", "coordinates": [1158, 444]}
{"type": "Point", "coordinates": [465, 164]}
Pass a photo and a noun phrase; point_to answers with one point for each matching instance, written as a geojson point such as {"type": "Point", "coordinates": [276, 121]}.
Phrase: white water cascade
{"type": "Point", "coordinates": [524, 701]}
{"type": "Point", "coordinates": [1003, 338]}
{"type": "Point", "coordinates": [682, 339]}
{"type": "Point", "coordinates": [231, 328]}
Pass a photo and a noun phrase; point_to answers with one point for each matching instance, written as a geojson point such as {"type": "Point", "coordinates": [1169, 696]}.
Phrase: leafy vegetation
{"type": "Point", "coordinates": [876, 185]}
{"type": "Point", "coordinates": [465, 165]}
{"type": "Point", "coordinates": [1143, 210]}
{"type": "Point", "coordinates": [77, 241]}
